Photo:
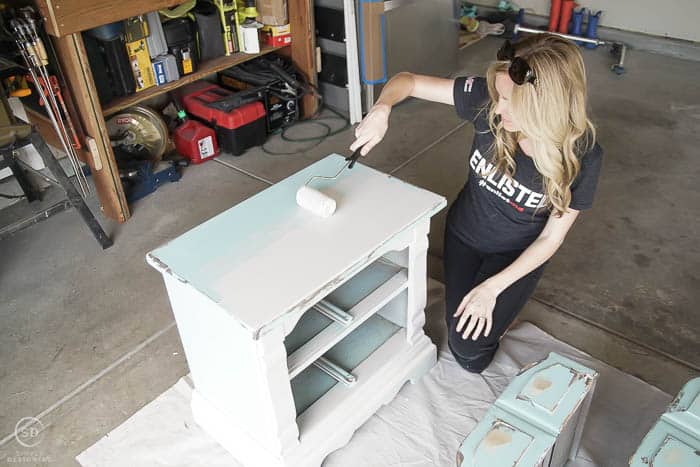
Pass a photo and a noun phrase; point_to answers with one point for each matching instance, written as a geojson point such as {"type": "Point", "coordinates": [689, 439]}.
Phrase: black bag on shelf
{"type": "Point", "coordinates": [99, 69]}
{"type": "Point", "coordinates": [110, 67]}
{"type": "Point", "coordinates": [180, 37]}
{"type": "Point", "coordinates": [118, 66]}
{"type": "Point", "coordinates": [209, 31]}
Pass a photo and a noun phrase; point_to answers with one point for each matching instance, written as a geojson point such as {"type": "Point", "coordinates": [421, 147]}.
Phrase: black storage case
{"type": "Point", "coordinates": [281, 106]}
{"type": "Point", "coordinates": [330, 23]}
{"type": "Point", "coordinates": [334, 70]}
{"type": "Point", "coordinates": [180, 37]}
{"type": "Point", "coordinates": [110, 66]}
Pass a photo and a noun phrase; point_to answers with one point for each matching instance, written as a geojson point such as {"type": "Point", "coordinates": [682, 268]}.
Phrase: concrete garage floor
{"type": "Point", "coordinates": [88, 337]}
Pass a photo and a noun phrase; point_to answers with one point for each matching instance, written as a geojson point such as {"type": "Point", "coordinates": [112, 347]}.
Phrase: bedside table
{"type": "Point", "coordinates": [297, 328]}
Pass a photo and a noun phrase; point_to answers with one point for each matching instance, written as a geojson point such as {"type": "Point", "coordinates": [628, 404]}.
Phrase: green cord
{"type": "Point", "coordinates": [317, 139]}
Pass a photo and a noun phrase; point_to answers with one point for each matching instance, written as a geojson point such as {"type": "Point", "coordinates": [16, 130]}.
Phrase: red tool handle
{"type": "Point", "coordinates": [554, 13]}
{"type": "Point", "coordinates": [566, 9]}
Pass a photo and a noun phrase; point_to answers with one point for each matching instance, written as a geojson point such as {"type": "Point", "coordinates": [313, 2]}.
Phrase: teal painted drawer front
{"type": "Point", "coordinates": [667, 446]}
{"type": "Point", "coordinates": [684, 411]}
{"type": "Point", "coordinates": [501, 439]}
{"type": "Point", "coordinates": [548, 392]}
{"type": "Point", "coordinates": [688, 399]}
{"type": "Point", "coordinates": [675, 439]}
{"type": "Point", "coordinates": [522, 427]}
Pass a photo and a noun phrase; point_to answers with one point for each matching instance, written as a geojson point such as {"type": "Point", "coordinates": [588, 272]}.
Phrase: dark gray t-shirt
{"type": "Point", "coordinates": [495, 213]}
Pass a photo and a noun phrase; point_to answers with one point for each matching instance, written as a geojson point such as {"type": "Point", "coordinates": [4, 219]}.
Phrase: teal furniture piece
{"type": "Point", "coordinates": [674, 441]}
{"type": "Point", "coordinates": [537, 421]}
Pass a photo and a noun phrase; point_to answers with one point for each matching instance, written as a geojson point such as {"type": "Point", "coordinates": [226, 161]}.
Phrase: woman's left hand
{"type": "Point", "coordinates": [477, 308]}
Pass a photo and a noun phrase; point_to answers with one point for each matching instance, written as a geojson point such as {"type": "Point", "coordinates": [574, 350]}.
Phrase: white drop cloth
{"type": "Point", "coordinates": [422, 427]}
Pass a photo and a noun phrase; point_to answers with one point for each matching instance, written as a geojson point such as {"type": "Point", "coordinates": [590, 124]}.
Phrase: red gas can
{"type": "Point", "coordinates": [195, 141]}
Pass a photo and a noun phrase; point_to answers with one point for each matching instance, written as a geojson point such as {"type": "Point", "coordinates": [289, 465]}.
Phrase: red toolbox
{"type": "Point", "coordinates": [239, 123]}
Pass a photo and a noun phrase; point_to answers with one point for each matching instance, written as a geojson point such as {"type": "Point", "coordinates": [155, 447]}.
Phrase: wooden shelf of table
{"type": "Point", "coordinates": [204, 69]}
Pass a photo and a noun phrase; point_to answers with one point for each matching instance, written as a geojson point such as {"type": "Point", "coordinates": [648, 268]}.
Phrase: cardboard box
{"type": "Point", "coordinates": [273, 12]}
{"type": "Point", "coordinates": [276, 36]}
{"type": "Point", "coordinates": [279, 41]}
{"type": "Point", "coordinates": [275, 31]}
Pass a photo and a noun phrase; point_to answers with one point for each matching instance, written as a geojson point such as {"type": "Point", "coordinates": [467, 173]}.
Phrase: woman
{"type": "Point", "coordinates": [534, 166]}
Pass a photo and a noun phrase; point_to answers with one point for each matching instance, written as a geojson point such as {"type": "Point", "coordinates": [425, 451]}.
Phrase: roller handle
{"type": "Point", "coordinates": [353, 158]}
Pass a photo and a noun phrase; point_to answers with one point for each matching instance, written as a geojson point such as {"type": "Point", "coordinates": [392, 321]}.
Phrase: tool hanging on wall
{"type": "Point", "coordinates": [33, 52]}
{"type": "Point", "coordinates": [55, 88]}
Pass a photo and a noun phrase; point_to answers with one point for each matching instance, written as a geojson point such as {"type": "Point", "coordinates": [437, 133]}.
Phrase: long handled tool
{"type": "Point", "coordinates": [316, 202]}
{"type": "Point", "coordinates": [32, 49]}
{"type": "Point", "coordinates": [56, 89]}
{"type": "Point", "coordinates": [618, 48]}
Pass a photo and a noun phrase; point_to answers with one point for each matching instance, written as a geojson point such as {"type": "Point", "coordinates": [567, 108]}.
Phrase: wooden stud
{"type": "Point", "coordinates": [302, 53]}
{"type": "Point", "coordinates": [76, 69]}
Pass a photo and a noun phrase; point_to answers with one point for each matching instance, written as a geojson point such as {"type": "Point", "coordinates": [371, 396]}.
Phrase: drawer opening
{"type": "Point", "coordinates": [314, 382]}
{"type": "Point", "coordinates": [371, 291]}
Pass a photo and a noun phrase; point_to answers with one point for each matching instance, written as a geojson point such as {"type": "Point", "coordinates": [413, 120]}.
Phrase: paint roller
{"type": "Point", "coordinates": [316, 202]}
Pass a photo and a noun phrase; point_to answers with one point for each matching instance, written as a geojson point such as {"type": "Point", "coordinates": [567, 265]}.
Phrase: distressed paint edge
{"type": "Point", "coordinates": [164, 269]}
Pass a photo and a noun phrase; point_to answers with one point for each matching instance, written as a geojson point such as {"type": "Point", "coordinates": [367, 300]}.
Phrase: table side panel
{"type": "Point", "coordinates": [245, 379]}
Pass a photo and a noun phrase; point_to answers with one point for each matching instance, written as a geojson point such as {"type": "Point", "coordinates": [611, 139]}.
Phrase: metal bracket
{"type": "Point", "coordinates": [333, 312]}
{"type": "Point", "coordinates": [334, 371]}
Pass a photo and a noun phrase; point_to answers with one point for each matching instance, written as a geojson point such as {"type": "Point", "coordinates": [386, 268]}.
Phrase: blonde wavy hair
{"type": "Point", "coordinates": [551, 114]}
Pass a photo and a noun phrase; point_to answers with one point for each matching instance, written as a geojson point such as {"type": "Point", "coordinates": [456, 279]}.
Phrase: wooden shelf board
{"type": "Point", "coordinates": [204, 69]}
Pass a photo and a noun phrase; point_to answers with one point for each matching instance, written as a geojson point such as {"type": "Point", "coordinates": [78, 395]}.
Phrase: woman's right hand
{"type": "Point", "coordinates": [372, 128]}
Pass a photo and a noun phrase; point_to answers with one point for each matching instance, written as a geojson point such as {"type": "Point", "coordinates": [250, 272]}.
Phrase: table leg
{"type": "Point", "coordinates": [417, 282]}
{"type": "Point", "coordinates": [76, 200]}
{"type": "Point", "coordinates": [28, 188]}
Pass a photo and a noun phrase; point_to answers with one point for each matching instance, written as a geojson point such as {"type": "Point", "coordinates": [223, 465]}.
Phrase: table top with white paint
{"type": "Point", "coordinates": [266, 256]}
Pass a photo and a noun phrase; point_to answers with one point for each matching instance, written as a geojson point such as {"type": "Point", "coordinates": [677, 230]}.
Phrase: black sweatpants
{"type": "Point", "coordinates": [466, 268]}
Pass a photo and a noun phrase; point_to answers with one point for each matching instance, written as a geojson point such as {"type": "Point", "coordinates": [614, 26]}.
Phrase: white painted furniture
{"type": "Point", "coordinates": [298, 328]}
